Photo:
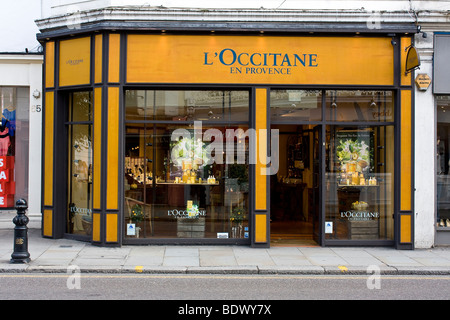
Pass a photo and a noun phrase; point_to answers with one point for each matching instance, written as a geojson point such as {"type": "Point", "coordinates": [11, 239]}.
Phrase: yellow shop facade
{"type": "Point", "coordinates": [251, 138]}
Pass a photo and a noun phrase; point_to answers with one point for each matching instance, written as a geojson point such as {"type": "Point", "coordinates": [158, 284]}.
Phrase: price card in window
{"type": "Point", "coordinates": [328, 227]}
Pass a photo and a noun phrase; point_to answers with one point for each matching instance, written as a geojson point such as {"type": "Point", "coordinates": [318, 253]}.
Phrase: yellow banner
{"type": "Point", "coordinates": [259, 60]}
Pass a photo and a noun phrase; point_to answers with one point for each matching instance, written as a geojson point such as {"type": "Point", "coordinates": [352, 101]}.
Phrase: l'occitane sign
{"type": "Point", "coordinates": [259, 60]}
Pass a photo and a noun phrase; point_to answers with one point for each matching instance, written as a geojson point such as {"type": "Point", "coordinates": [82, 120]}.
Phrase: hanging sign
{"type": "Point", "coordinates": [412, 60]}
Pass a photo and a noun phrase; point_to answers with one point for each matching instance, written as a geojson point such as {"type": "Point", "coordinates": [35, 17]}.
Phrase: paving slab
{"type": "Point", "coordinates": [60, 255]}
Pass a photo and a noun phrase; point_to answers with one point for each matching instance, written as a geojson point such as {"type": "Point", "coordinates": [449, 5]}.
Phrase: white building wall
{"type": "Point", "coordinates": [425, 154]}
{"type": "Point", "coordinates": [18, 33]}
{"type": "Point", "coordinates": [26, 70]}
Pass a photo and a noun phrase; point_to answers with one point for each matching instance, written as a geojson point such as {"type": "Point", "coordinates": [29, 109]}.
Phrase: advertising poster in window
{"type": "Point", "coordinates": [354, 151]}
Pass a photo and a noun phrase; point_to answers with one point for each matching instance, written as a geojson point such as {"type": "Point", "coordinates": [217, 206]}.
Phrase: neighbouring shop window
{"type": "Point", "coordinates": [14, 141]}
{"type": "Point", "coordinates": [359, 174]}
{"type": "Point", "coordinates": [79, 166]}
{"type": "Point", "coordinates": [443, 161]}
{"type": "Point", "coordinates": [186, 164]}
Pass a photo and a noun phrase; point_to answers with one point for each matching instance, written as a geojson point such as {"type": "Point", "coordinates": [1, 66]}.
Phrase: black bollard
{"type": "Point", "coordinates": [20, 254]}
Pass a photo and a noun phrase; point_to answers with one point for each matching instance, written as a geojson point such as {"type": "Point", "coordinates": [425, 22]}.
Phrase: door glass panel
{"type": "Point", "coordinates": [79, 166]}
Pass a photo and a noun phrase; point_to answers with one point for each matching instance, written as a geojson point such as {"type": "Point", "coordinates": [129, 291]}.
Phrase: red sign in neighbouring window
{"type": "Point", "coordinates": [7, 184]}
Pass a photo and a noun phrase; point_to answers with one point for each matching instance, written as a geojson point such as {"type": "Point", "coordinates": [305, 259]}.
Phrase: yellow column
{"type": "Point", "coordinates": [48, 164]}
{"type": "Point", "coordinates": [47, 217]}
{"type": "Point", "coordinates": [97, 165]}
{"type": "Point", "coordinates": [405, 149]}
{"type": "Point", "coordinates": [406, 217]}
{"type": "Point", "coordinates": [112, 165]}
{"type": "Point", "coordinates": [261, 228]}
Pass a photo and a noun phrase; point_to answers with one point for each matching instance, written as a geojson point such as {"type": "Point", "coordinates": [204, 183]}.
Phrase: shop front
{"type": "Point", "coordinates": [243, 138]}
{"type": "Point", "coordinates": [20, 131]}
{"type": "Point", "coordinates": [441, 90]}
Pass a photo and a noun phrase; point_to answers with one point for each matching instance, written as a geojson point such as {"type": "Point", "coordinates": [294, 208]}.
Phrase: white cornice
{"type": "Point", "coordinates": [146, 14]}
{"type": "Point", "coordinates": [20, 58]}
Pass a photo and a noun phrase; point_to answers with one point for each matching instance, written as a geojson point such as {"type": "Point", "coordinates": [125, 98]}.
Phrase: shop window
{"type": "Point", "coordinates": [79, 166]}
{"type": "Point", "coordinates": [295, 105]}
{"type": "Point", "coordinates": [14, 141]}
{"type": "Point", "coordinates": [443, 162]}
{"type": "Point", "coordinates": [359, 180]}
{"type": "Point", "coordinates": [173, 105]}
{"type": "Point", "coordinates": [186, 177]}
{"type": "Point", "coordinates": [359, 105]}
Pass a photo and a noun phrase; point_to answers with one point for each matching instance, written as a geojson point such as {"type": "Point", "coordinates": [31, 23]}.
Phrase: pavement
{"type": "Point", "coordinates": [62, 255]}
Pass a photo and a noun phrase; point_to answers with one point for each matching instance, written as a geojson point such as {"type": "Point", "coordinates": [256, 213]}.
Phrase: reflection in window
{"type": "Point", "coordinates": [182, 181]}
{"type": "Point", "coordinates": [173, 105]}
{"type": "Point", "coordinates": [295, 105]}
{"type": "Point", "coordinates": [359, 182]}
{"type": "Point", "coordinates": [359, 105]}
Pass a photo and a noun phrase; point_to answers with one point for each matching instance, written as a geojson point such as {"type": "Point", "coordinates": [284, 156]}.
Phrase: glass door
{"type": "Point", "coordinates": [79, 165]}
{"type": "Point", "coordinates": [316, 187]}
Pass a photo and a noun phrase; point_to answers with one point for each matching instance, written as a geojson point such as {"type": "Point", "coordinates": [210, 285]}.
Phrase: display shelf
{"type": "Point", "coordinates": [189, 184]}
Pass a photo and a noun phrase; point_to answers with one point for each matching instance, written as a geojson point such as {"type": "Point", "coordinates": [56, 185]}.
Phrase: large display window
{"type": "Point", "coordinates": [443, 162]}
{"type": "Point", "coordinates": [359, 166]}
{"type": "Point", "coordinates": [186, 164]}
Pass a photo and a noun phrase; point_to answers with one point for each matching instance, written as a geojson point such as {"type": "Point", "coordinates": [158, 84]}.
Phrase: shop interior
{"type": "Point", "coordinates": [294, 193]}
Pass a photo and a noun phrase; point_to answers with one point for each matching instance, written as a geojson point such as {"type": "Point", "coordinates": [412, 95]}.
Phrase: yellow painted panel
{"type": "Point", "coordinates": [48, 223]}
{"type": "Point", "coordinates": [112, 178]}
{"type": "Point", "coordinates": [48, 151]}
{"type": "Point", "coordinates": [98, 58]}
{"type": "Point", "coordinates": [261, 149]}
{"type": "Point", "coordinates": [405, 149]}
{"type": "Point", "coordinates": [114, 58]}
{"type": "Point", "coordinates": [96, 227]}
{"type": "Point", "coordinates": [260, 228]}
{"type": "Point", "coordinates": [75, 61]}
{"type": "Point", "coordinates": [97, 143]}
{"type": "Point", "coordinates": [259, 59]}
{"type": "Point", "coordinates": [405, 228]}
{"type": "Point", "coordinates": [50, 64]}
{"type": "Point", "coordinates": [111, 227]}
{"type": "Point", "coordinates": [405, 80]}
